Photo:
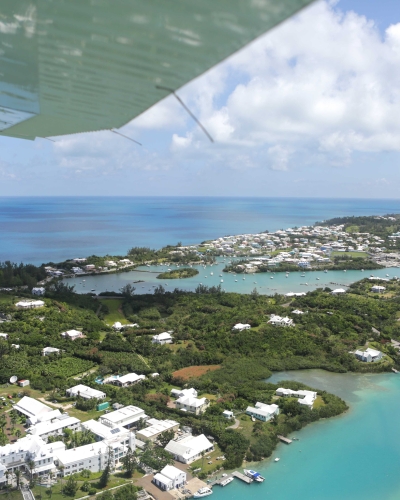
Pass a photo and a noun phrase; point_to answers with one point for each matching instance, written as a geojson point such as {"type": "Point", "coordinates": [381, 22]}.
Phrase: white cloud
{"type": "Point", "coordinates": [279, 157]}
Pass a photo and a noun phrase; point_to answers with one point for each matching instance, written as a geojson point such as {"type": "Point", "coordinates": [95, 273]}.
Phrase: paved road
{"type": "Point", "coordinates": [27, 494]}
{"type": "Point", "coordinates": [235, 425]}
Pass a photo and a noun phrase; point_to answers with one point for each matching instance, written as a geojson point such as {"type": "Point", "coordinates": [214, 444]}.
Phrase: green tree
{"type": "Point", "coordinates": [71, 486]}
{"type": "Point", "coordinates": [129, 462]}
{"type": "Point", "coordinates": [166, 437]}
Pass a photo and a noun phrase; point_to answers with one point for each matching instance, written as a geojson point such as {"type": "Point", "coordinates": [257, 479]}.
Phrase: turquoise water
{"type": "Point", "coordinates": [261, 281]}
{"type": "Point", "coordinates": [44, 229]}
{"type": "Point", "coordinates": [354, 456]}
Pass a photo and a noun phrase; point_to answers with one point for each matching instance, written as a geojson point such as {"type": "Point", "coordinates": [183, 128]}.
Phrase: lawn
{"type": "Point", "coordinates": [349, 254]}
{"type": "Point", "coordinates": [115, 313]}
{"type": "Point", "coordinates": [204, 465]}
{"type": "Point", "coordinates": [12, 495]}
{"type": "Point", "coordinates": [195, 371]}
{"type": "Point", "coordinates": [318, 402]}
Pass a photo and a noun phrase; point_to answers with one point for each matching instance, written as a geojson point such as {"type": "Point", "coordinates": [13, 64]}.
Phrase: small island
{"type": "Point", "coordinates": [186, 272]}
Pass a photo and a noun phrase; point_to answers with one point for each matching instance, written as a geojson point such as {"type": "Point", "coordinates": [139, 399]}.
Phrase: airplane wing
{"type": "Point", "coordinates": [70, 66]}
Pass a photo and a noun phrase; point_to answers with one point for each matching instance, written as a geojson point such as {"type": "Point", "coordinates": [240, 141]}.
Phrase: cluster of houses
{"type": "Point", "coordinates": [113, 436]}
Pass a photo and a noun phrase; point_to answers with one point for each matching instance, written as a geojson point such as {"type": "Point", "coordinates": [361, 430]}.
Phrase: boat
{"type": "Point", "coordinates": [303, 276]}
{"type": "Point", "coordinates": [276, 459]}
{"type": "Point", "coordinates": [226, 481]}
{"type": "Point", "coordinates": [256, 476]}
{"type": "Point", "coordinates": [203, 492]}
{"type": "Point", "coordinates": [211, 274]}
{"type": "Point", "coordinates": [325, 271]}
{"type": "Point", "coordinates": [222, 281]}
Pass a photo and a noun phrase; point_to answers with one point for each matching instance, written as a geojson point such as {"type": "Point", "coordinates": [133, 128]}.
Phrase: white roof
{"type": "Point", "coordinates": [104, 431]}
{"type": "Point", "coordinates": [191, 401]}
{"type": "Point", "coordinates": [58, 423]}
{"type": "Point", "coordinates": [31, 407]}
{"type": "Point", "coordinates": [30, 303]}
{"type": "Point", "coordinates": [82, 452]}
{"type": "Point", "coordinates": [157, 427]}
{"type": "Point", "coordinates": [85, 391]}
{"type": "Point", "coordinates": [71, 333]}
{"type": "Point", "coordinates": [339, 290]}
{"type": "Point", "coordinates": [241, 326]}
{"type": "Point", "coordinates": [50, 349]}
{"type": "Point", "coordinates": [28, 443]}
{"type": "Point", "coordinates": [189, 446]}
{"type": "Point", "coordinates": [162, 336]}
{"type": "Point", "coordinates": [179, 393]}
{"type": "Point", "coordinates": [131, 413]}
{"type": "Point", "coordinates": [171, 472]}
{"type": "Point", "coordinates": [130, 378]}
{"type": "Point", "coordinates": [373, 352]}
{"type": "Point", "coordinates": [117, 325]}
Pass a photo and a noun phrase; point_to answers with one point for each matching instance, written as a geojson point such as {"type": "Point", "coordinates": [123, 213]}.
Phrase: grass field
{"type": "Point", "coordinates": [115, 313]}
{"type": "Point", "coordinates": [349, 254]}
{"type": "Point", "coordinates": [318, 402]}
{"type": "Point", "coordinates": [195, 371]}
{"type": "Point", "coordinates": [204, 465]}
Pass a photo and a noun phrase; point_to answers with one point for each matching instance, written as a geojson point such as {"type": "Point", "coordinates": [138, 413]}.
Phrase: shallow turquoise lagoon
{"type": "Point", "coordinates": [354, 456]}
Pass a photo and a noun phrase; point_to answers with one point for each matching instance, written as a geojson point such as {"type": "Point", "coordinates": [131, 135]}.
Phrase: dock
{"type": "Point", "coordinates": [242, 477]}
{"type": "Point", "coordinates": [394, 370]}
{"type": "Point", "coordinates": [284, 439]}
{"type": "Point", "coordinates": [219, 481]}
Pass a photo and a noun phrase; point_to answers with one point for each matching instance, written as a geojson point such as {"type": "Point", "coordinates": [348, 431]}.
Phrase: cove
{"type": "Point", "coordinates": [353, 456]}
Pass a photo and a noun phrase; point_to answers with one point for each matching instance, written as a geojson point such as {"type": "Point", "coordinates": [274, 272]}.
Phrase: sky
{"type": "Point", "coordinates": [310, 109]}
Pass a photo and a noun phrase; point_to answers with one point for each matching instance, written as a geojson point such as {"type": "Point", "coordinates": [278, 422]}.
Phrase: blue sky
{"type": "Point", "coordinates": [310, 109]}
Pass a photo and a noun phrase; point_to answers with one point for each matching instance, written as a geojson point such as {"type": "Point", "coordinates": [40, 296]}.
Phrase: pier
{"type": "Point", "coordinates": [284, 439]}
{"type": "Point", "coordinates": [242, 477]}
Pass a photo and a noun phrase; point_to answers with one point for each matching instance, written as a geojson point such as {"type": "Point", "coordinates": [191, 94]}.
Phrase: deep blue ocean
{"type": "Point", "coordinates": [44, 229]}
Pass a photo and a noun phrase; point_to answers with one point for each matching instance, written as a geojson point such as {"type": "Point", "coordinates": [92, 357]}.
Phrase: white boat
{"type": "Point", "coordinates": [203, 492]}
{"type": "Point", "coordinates": [211, 274]}
{"type": "Point", "coordinates": [276, 459]}
{"type": "Point", "coordinates": [325, 271]}
{"type": "Point", "coordinates": [256, 476]}
{"type": "Point", "coordinates": [222, 281]}
{"type": "Point", "coordinates": [226, 481]}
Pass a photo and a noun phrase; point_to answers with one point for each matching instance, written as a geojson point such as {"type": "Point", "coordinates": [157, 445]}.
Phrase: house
{"type": "Point", "coordinates": [227, 414]}
{"type": "Point", "coordinates": [126, 417]}
{"type": "Point", "coordinates": [187, 449]}
{"type": "Point", "coordinates": [369, 355]}
{"type": "Point", "coordinates": [303, 397]}
{"type": "Point", "coordinates": [80, 260]}
{"type": "Point", "coordinates": [47, 351]}
{"type": "Point", "coordinates": [31, 449]}
{"type": "Point", "coordinates": [55, 426]}
{"type": "Point", "coordinates": [338, 291]}
{"type": "Point", "coordinates": [90, 267]}
{"type": "Point", "coordinates": [240, 327]}
{"type": "Point", "coordinates": [4, 336]}
{"type": "Point", "coordinates": [192, 404]}
{"type": "Point", "coordinates": [169, 478]}
{"type": "Point", "coordinates": [155, 428]}
{"type": "Point", "coordinates": [178, 393]}
{"type": "Point", "coordinates": [117, 325]}
{"type": "Point", "coordinates": [124, 380]}
{"type": "Point", "coordinates": [23, 383]}
{"type": "Point", "coordinates": [279, 321]}
{"type": "Point", "coordinates": [378, 289]}
{"type": "Point", "coordinates": [263, 411]}
{"type": "Point", "coordinates": [96, 456]}
{"type": "Point", "coordinates": [38, 290]}
{"type": "Point", "coordinates": [29, 304]}
{"type": "Point", "coordinates": [72, 334]}
{"type": "Point", "coordinates": [162, 338]}
{"type": "Point", "coordinates": [85, 392]}
{"type": "Point", "coordinates": [297, 311]}
{"type": "Point", "coordinates": [31, 408]}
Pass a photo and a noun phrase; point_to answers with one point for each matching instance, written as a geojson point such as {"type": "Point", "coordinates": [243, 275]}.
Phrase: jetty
{"type": "Point", "coordinates": [221, 481]}
{"type": "Point", "coordinates": [242, 477]}
{"type": "Point", "coordinates": [284, 439]}
{"type": "Point", "coordinates": [394, 370]}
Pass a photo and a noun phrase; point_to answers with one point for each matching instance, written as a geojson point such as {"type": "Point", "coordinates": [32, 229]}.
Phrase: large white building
{"type": "Point", "coordinates": [54, 426]}
{"type": "Point", "coordinates": [124, 380]}
{"type": "Point", "coordinates": [32, 409]}
{"type": "Point", "coordinates": [262, 411]}
{"type": "Point", "coordinates": [126, 417]}
{"type": "Point", "coordinates": [239, 327]}
{"type": "Point", "coordinates": [46, 351]}
{"type": "Point", "coordinates": [162, 338]}
{"type": "Point", "coordinates": [155, 428]}
{"type": "Point", "coordinates": [192, 404]}
{"type": "Point", "coordinates": [72, 334]}
{"type": "Point", "coordinates": [304, 397]}
{"type": "Point", "coordinates": [169, 478]}
{"type": "Point", "coordinates": [279, 321]}
{"type": "Point", "coordinates": [85, 392]}
{"type": "Point", "coordinates": [95, 456]}
{"type": "Point", "coordinates": [29, 304]}
{"type": "Point", "coordinates": [189, 448]}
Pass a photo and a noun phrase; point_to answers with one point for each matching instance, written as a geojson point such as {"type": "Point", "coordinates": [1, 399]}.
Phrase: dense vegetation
{"type": "Point", "coordinates": [16, 275]}
{"type": "Point", "coordinates": [186, 272]}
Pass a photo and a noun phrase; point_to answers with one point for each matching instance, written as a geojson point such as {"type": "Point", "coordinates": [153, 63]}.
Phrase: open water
{"type": "Point", "coordinates": [44, 229]}
{"type": "Point", "coordinates": [355, 456]}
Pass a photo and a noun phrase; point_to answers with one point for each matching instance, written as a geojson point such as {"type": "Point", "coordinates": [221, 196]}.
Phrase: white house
{"type": "Point", "coordinates": [117, 325]}
{"type": "Point", "coordinates": [4, 336]}
{"type": "Point", "coordinates": [297, 311]}
{"type": "Point", "coordinates": [279, 321]}
{"type": "Point", "coordinates": [29, 304]}
{"type": "Point", "coordinates": [55, 426]}
{"type": "Point", "coordinates": [262, 411]}
{"type": "Point", "coordinates": [179, 393]}
{"type": "Point", "coordinates": [189, 448]}
{"type": "Point", "coordinates": [125, 380]}
{"type": "Point", "coordinates": [38, 290]}
{"type": "Point", "coordinates": [239, 327]}
{"type": "Point", "coordinates": [192, 404]}
{"type": "Point", "coordinates": [72, 334]}
{"type": "Point", "coordinates": [85, 392]}
{"type": "Point", "coordinates": [378, 289]}
{"type": "Point", "coordinates": [303, 397]}
{"type": "Point", "coordinates": [338, 291]}
{"type": "Point", "coordinates": [124, 417]}
{"type": "Point", "coordinates": [31, 408]}
{"type": "Point", "coordinates": [228, 414]}
{"type": "Point", "coordinates": [369, 355]}
{"type": "Point", "coordinates": [162, 338]}
{"type": "Point", "coordinates": [169, 478]}
{"type": "Point", "coordinates": [155, 428]}
{"type": "Point", "coordinates": [46, 351]}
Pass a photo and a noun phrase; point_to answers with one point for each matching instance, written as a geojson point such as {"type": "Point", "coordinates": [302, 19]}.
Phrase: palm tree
{"type": "Point", "coordinates": [18, 433]}
{"type": "Point", "coordinates": [18, 476]}
{"type": "Point", "coordinates": [31, 466]}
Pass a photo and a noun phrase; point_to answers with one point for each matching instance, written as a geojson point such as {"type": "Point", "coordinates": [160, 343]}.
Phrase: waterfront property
{"type": "Point", "coordinates": [369, 355]}
{"type": "Point", "coordinates": [187, 449]}
{"type": "Point", "coordinates": [170, 477]}
{"type": "Point", "coordinates": [378, 289]}
{"type": "Point", "coordinates": [262, 411]}
{"type": "Point", "coordinates": [338, 291]}
{"type": "Point", "coordinates": [304, 397]}
{"type": "Point", "coordinates": [84, 392]}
